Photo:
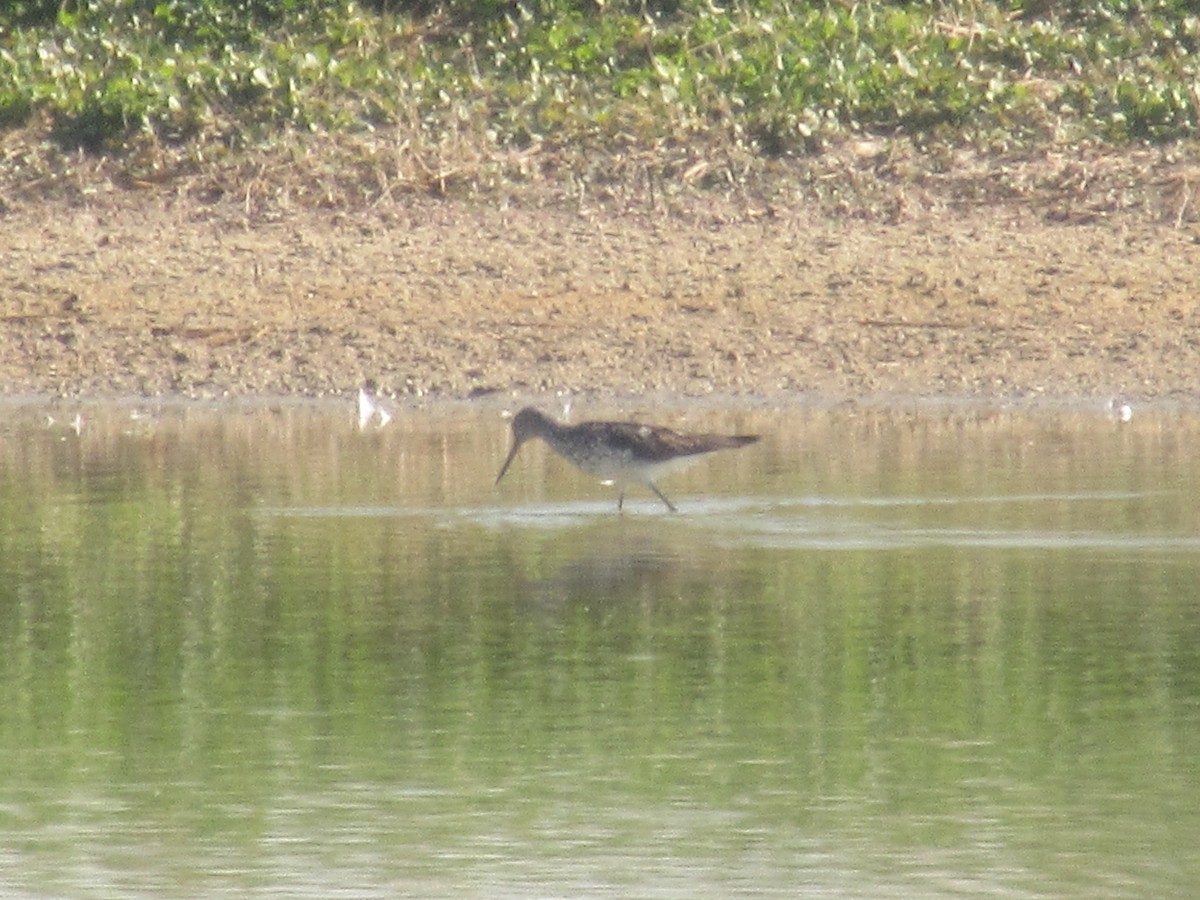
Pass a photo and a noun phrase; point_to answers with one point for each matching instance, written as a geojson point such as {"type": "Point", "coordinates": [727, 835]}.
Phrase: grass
{"type": "Point", "coordinates": [358, 101]}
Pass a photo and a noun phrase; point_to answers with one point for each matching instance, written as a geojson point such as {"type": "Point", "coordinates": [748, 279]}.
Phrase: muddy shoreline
{"type": "Point", "coordinates": [155, 296]}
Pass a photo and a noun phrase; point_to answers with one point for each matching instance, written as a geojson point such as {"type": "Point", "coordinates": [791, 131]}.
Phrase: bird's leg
{"type": "Point", "coordinates": [662, 496]}
{"type": "Point", "coordinates": [620, 499]}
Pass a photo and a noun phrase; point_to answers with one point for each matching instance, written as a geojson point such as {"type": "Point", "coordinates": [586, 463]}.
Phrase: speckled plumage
{"type": "Point", "coordinates": [623, 453]}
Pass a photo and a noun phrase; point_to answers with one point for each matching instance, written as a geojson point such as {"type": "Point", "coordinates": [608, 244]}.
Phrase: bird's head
{"type": "Point", "coordinates": [528, 423]}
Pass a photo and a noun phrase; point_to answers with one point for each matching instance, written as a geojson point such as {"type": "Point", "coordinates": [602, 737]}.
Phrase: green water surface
{"type": "Point", "coordinates": [882, 653]}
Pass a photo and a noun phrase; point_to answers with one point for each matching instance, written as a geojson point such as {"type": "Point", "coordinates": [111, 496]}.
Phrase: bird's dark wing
{"type": "Point", "coordinates": [652, 443]}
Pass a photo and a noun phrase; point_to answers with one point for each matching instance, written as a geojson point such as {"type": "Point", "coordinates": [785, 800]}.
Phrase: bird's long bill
{"type": "Point", "coordinates": [512, 454]}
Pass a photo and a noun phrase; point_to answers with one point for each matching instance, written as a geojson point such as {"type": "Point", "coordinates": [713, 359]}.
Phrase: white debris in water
{"type": "Point", "coordinates": [1122, 411]}
{"type": "Point", "coordinates": [370, 407]}
{"type": "Point", "coordinates": [75, 425]}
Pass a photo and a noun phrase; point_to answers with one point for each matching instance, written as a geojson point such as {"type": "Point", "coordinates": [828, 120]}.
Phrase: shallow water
{"type": "Point", "coordinates": [885, 652]}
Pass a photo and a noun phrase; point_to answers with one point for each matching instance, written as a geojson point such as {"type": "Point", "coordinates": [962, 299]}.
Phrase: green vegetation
{"type": "Point", "coordinates": [428, 94]}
